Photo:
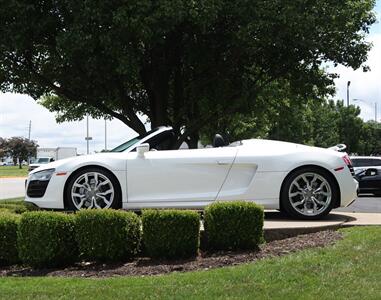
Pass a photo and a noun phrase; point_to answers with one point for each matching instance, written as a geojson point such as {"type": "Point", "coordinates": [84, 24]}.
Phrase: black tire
{"type": "Point", "coordinates": [286, 201]}
{"type": "Point", "coordinates": [115, 200]}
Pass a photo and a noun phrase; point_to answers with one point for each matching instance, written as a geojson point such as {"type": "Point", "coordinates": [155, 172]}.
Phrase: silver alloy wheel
{"type": "Point", "coordinates": [310, 194]}
{"type": "Point", "coordinates": [92, 190]}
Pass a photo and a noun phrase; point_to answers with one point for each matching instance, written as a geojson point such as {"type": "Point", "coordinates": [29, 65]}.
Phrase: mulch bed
{"type": "Point", "coordinates": [205, 261]}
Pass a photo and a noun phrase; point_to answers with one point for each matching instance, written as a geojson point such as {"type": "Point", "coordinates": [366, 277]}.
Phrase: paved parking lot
{"type": "Point", "coordinates": [363, 205]}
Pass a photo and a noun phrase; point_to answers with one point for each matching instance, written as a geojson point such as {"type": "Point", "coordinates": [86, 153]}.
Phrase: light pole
{"type": "Point", "coordinates": [348, 84]}
{"type": "Point", "coordinates": [29, 129]}
{"type": "Point", "coordinates": [375, 112]}
{"type": "Point", "coordinates": [105, 135]}
{"type": "Point", "coordinates": [375, 107]}
{"type": "Point", "coordinates": [87, 138]}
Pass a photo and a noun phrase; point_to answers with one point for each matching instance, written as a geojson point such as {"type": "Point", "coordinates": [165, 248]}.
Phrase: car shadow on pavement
{"type": "Point", "coordinates": [332, 217]}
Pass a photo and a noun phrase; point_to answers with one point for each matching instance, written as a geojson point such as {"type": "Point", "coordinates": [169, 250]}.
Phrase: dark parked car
{"type": "Point", "coordinates": [369, 181]}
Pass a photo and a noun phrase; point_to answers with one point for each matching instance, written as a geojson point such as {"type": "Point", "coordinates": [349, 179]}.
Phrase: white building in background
{"type": "Point", "coordinates": [57, 153]}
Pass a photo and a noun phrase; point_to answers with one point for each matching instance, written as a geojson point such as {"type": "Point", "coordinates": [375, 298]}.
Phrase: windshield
{"type": "Point", "coordinates": [129, 143]}
{"type": "Point", "coordinates": [42, 160]}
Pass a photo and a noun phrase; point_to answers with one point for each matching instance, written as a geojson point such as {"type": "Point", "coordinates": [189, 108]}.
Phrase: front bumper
{"type": "Point", "coordinates": [53, 197]}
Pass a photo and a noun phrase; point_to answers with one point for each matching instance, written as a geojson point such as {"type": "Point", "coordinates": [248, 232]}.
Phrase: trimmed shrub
{"type": "Point", "coordinates": [233, 225]}
{"type": "Point", "coordinates": [171, 233]}
{"type": "Point", "coordinates": [107, 235]}
{"type": "Point", "coordinates": [8, 238]}
{"type": "Point", "coordinates": [46, 239]}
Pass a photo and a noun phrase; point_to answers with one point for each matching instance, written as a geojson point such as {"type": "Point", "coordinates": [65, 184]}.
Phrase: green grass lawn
{"type": "Point", "coordinates": [351, 269]}
{"type": "Point", "coordinates": [15, 205]}
{"type": "Point", "coordinates": [18, 200]}
{"type": "Point", "coordinates": [13, 171]}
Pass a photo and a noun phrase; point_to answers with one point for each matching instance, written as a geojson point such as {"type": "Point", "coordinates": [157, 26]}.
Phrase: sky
{"type": "Point", "coordinates": [16, 110]}
{"type": "Point", "coordinates": [364, 86]}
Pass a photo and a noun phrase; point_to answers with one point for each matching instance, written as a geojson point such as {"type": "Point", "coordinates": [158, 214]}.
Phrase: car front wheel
{"type": "Point", "coordinates": [309, 193]}
{"type": "Point", "coordinates": [93, 188]}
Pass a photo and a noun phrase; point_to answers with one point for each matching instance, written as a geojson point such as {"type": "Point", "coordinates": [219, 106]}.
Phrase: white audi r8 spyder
{"type": "Point", "coordinates": [303, 181]}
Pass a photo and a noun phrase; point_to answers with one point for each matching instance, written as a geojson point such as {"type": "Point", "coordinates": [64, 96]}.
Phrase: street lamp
{"type": "Point", "coordinates": [87, 138]}
{"type": "Point", "coordinates": [348, 84]}
{"type": "Point", "coordinates": [375, 107]}
{"type": "Point", "coordinates": [105, 134]}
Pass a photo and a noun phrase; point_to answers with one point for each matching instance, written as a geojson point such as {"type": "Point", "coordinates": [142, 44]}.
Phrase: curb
{"type": "Point", "coordinates": [289, 228]}
{"type": "Point", "coordinates": [284, 233]}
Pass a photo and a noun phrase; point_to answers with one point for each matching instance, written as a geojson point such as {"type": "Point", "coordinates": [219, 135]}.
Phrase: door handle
{"type": "Point", "coordinates": [223, 162]}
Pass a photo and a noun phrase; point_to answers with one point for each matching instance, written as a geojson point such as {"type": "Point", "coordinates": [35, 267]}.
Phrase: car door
{"type": "Point", "coordinates": [178, 175]}
{"type": "Point", "coordinates": [371, 182]}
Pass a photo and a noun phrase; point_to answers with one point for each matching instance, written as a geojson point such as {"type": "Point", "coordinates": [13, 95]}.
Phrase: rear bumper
{"type": "Point", "coordinates": [349, 187]}
{"type": "Point", "coordinates": [349, 194]}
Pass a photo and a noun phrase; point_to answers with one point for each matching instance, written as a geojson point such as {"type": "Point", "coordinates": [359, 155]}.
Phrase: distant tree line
{"type": "Point", "coordinates": [314, 122]}
{"type": "Point", "coordinates": [19, 148]}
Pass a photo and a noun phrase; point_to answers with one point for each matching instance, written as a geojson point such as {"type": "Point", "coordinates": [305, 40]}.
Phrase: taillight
{"type": "Point", "coordinates": [347, 160]}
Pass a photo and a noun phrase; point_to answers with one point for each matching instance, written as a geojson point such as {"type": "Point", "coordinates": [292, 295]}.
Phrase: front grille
{"type": "Point", "coordinates": [36, 188]}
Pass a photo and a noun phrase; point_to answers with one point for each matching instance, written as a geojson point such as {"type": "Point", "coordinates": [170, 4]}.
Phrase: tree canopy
{"type": "Point", "coordinates": [180, 63]}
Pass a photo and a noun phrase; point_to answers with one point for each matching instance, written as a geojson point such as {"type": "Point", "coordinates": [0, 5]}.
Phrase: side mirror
{"type": "Point", "coordinates": [371, 172]}
{"type": "Point", "coordinates": [141, 149]}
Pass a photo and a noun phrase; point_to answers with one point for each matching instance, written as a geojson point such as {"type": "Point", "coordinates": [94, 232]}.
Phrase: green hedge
{"type": "Point", "coordinates": [107, 235]}
{"type": "Point", "coordinates": [8, 238]}
{"type": "Point", "coordinates": [46, 239]}
{"type": "Point", "coordinates": [171, 233]}
{"type": "Point", "coordinates": [233, 225]}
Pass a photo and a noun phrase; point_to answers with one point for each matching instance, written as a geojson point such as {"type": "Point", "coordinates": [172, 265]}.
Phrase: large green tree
{"type": "Point", "coordinates": [180, 63]}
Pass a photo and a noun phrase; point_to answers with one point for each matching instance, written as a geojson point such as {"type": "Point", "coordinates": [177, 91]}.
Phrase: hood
{"type": "Point", "coordinates": [67, 164]}
{"type": "Point", "coordinates": [52, 165]}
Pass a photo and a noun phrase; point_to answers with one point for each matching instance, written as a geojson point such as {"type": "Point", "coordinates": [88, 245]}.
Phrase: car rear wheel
{"type": "Point", "coordinates": [309, 193]}
{"type": "Point", "coordinates": [93, 188]}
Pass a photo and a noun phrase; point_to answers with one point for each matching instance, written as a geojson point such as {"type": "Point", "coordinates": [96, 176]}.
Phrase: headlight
{"type": "Point", "coordinates": [42, 175]}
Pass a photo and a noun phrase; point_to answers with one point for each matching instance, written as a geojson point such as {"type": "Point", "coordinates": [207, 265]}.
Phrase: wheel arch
{"type": "Point", "coordinates": [329, 173]}
{"type": "Point", "coordinates": [89, 167]}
